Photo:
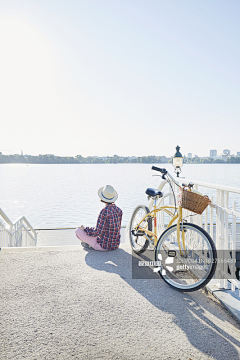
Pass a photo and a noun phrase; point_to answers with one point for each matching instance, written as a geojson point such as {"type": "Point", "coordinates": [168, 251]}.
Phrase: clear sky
{"type": "Point", "coordinates": [125, 77]}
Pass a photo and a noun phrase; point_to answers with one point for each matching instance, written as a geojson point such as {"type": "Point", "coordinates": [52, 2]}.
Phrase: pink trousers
{"type": "Point", "coordinates": [90, 240]}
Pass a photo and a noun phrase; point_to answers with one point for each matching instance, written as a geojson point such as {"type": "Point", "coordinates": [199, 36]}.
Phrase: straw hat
{"type": "Point", "coordinates": [107, 194]}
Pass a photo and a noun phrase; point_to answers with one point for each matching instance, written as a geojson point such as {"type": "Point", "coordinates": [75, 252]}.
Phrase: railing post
{"type": "Point", "coordinates": [225, 231]}
{"type": "Point", "coordinates": [206, 219]}
{"type": "Point", "coordinates": [218, 243]}
{"type": "Point", "coordinates": [233, 245]}
{"type": "Point", "coordinates": [211, 219]}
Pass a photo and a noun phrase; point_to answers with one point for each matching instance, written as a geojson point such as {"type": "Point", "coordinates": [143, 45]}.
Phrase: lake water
{"type": "Point", "coordinates": [65, 196]}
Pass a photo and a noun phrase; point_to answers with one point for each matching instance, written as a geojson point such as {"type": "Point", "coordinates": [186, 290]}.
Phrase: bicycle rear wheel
{"type": "Point", "coordinates": [138, 241]}
{"type": "Point", "coordinates": [189, 269]}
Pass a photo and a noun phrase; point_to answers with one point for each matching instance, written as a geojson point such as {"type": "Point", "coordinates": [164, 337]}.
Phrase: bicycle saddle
{"type": "Point", "coordinates": [153, 192]}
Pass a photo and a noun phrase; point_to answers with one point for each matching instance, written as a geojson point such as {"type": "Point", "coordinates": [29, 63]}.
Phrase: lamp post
{"type": "Point", "coordinates": [177, 161]}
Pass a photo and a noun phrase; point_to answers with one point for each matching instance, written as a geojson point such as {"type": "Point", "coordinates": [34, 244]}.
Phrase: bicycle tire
{"type": "Point", "coordinates": [196, 267]}
{"type": "Point", "coordinates": [138, 242]}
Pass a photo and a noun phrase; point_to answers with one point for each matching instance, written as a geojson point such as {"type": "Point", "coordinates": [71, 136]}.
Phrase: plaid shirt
{"type": "Point", "coordinates": [108, 227]}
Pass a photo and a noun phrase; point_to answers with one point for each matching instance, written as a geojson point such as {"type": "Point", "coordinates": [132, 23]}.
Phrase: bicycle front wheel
{"type": "Point", "coordinates": [138, 240]}
{"type": "Point", "coordinates": [191, 266]}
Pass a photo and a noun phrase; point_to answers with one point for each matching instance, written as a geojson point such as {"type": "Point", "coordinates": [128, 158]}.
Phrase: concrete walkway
{"type": "Point", "coordinates": [69, 303]}
{"type": "Point", "coordinates": [229, 299]}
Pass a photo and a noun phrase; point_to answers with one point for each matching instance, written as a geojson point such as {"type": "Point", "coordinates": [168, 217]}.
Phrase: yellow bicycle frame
{"type": "Point", "coordinates": [153, 215]}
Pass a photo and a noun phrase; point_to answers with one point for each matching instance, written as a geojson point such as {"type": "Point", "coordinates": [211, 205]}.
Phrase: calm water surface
{"type": "Point", "coordinates": [53, 196]}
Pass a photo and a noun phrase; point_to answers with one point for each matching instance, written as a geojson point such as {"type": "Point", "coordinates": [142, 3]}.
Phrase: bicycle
{"type": "Point", "coordinates": [184, 253]}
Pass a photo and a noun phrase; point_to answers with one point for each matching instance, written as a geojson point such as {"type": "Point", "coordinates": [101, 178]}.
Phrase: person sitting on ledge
{"type": "Point", "coordinates": [106, 235]}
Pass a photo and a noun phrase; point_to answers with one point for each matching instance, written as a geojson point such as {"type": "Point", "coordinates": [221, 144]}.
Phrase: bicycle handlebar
{"type": "Point", "coordinates": [165, 172]}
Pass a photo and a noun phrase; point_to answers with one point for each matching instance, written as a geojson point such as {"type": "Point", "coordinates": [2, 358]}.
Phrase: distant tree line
{"type": "Point", "coordinates": [197, 160]}
{"type": "Point", "coordinates": [51, 159]}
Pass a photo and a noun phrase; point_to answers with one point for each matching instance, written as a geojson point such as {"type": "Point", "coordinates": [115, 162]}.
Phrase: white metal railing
{"type": "Point", "coordinates": [17, 234]}
{"type": "Point", "coordinates": [220, 220]}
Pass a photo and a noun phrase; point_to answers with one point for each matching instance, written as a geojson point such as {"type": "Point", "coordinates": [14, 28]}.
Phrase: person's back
{"type": "Point", "coordinates": [106, 235]}
{"type": "Point", "coordinates": [110, 238]}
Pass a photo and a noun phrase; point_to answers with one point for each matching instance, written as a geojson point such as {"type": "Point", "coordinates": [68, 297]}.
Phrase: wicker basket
{"type": "Point", "coordinates": [193, 202]}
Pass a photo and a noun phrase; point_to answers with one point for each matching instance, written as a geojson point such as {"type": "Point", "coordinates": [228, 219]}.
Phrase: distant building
{"type": "Point", "coordinates": [189, 155]}
{"type": "Point", "coordinates": [238, 154]}
{"type": "Point", "coordinates": [213, 153]}
{"type": "Point", "coordinates": [226, 152]}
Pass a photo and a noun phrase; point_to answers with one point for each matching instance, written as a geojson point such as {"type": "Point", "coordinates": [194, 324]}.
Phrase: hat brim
{"type": "Point", "coordinates": [103, 198]}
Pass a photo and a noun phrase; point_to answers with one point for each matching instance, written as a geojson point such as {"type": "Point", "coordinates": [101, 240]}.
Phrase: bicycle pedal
{"type": "Point", "coordinates": [140, 233]}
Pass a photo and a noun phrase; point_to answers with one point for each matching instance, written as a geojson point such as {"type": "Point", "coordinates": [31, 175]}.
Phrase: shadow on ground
{"type": "Point", "coordinates": [195, 313]}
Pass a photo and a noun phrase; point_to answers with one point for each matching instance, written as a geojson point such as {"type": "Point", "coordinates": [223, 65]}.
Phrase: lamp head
{"type": "Point", "coordinates": [177, 161]}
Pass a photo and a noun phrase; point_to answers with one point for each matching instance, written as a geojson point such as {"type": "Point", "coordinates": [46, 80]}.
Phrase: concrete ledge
{"type": "Point", "coordinates": [228, 298]}
{"type": "Point", "coordinates": [64, 237]}
{"type": "Point", "coordinates": [40, 248]}
{"type": "Point", "coordinates": [51, 248]}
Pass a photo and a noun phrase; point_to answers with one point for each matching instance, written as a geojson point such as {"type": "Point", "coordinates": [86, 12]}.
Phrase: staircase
{"type": "Point", "coordinates": [18, 234]}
